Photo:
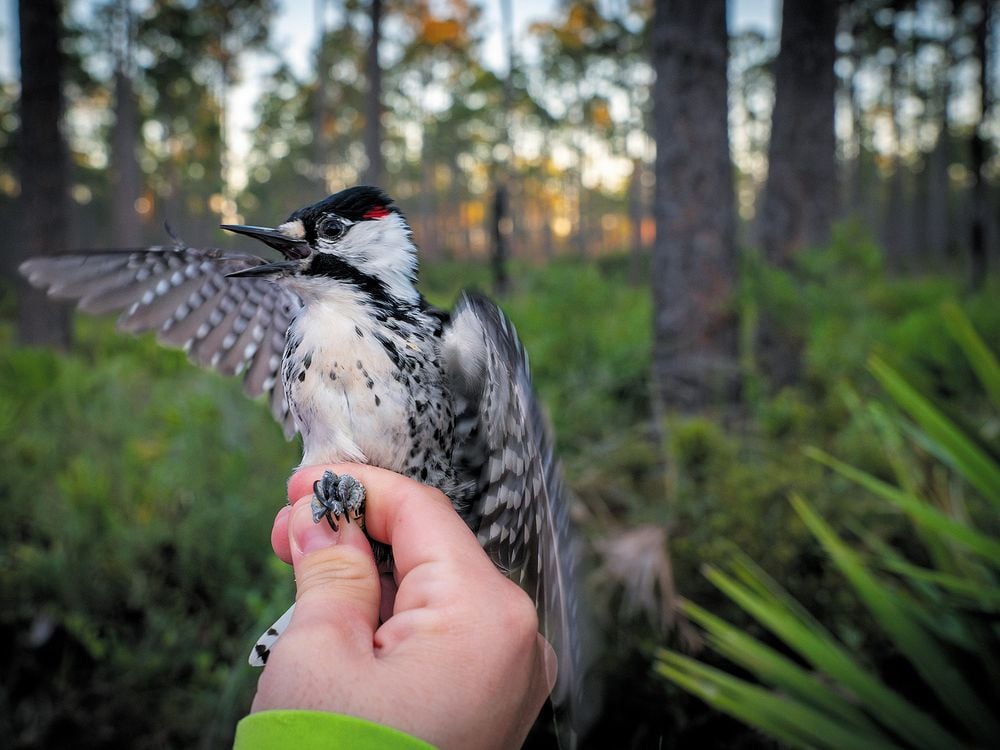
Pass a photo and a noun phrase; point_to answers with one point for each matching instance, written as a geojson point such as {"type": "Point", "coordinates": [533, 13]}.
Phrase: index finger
{"type": "Point", "coordinates": [418, 521]}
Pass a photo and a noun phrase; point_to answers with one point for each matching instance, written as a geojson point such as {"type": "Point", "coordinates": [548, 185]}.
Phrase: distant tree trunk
{"type": "Point", "coordinates": [375, 170]}
{"type": "Point", "coordinates": [44, 165]}
{"type": "Point", "coordinates": [694, 256]}
{"type": "Point", "coordinates": [857, 205]}
{"type": "Point", "coordinates": [894, 200]}
{"type": "Point", "coordinates": [501, 219]}
{"type": "Point", "coordinates": [124, 170]}
{"type": "Point", "coordinates": [937, 214]}
{"type": "Point", "coordinates": [978, 240]}
{"type": "Point", "coordinates": [898, 231]}
{"type": "Point", "coordinates": [226, 77]}
{"type": "Point", "coordinates": [637, 257]}
{"type": "Point", "coordinates": [126, 180]}
{"type": "Point", "coordinates": [321, 108]}
{"type": "Point", "coordinates": [800, 194]}
{"type": "Point", "coordinates": [580, 226]}
{"type": "Point", "coordinates": [498, 259]}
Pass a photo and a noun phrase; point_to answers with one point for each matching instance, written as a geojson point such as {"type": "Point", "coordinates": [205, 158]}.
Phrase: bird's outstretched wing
{"type": "Point", "coordinates": [232, 325]}
{"type": "Point", "coordinates": [520, 513]}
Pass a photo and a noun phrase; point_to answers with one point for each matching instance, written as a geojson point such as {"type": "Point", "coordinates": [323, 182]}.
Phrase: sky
{"type": "Point", "coordinates": [297, 14]}
{"type": "Point", "coordinates": [296, 46]}
{"type": "Point", "coordinates": [761, 14]}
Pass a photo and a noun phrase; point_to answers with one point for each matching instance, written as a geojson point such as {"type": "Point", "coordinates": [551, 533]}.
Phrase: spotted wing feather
{"type": "Point", "coordinates": [235, 326]}
{"type": "Point", "coordinates": [504, 446]}
{"type": "Point", "coordinates": [262, 648]}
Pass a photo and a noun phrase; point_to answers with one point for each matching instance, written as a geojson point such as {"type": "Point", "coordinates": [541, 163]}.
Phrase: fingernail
{"type": "Point", "coordinates": [550, 663]}
{"type": "Point", "coordinates": [307, 535]}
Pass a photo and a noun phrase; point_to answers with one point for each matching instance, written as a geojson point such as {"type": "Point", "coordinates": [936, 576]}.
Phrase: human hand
{"type": "Point", "coordinates": [459, 663]}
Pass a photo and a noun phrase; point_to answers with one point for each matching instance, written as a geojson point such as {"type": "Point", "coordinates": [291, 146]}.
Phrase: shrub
{"type": "Point", "coordinates": [137, 496]}
{"type": "Point", "coordinates": [933, 611]}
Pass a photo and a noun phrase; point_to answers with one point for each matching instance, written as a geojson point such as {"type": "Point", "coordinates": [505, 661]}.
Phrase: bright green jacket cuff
{"type": "Point", "coordinates": [312, 730]}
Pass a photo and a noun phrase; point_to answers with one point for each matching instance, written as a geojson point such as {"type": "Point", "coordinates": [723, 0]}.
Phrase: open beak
{"type": "Point", "coordinates": [278, 268]}
{"type": "Point", "coordinates": [291, 248]}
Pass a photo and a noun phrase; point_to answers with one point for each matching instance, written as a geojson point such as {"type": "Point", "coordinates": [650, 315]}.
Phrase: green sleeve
{"type": "Point", "coordinates": [311, 730]}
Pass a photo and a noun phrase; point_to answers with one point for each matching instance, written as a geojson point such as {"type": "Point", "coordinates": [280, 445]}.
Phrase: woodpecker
{"type": "Point", "coordinates": [349, 354]}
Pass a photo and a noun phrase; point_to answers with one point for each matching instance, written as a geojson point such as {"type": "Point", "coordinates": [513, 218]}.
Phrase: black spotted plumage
{"type": "Point", "coordinates": [182, 294]}
{"type": "Point", "coordinates": [350, 355]}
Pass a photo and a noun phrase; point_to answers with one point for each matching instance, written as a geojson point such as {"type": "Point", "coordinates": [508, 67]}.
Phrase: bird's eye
{"type": "Point", "coordinates": [332, 228]}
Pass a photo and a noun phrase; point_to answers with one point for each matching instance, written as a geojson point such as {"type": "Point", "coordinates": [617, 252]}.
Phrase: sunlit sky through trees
{"type": "Point", "coordinates": [580, 134]}
{"type": "Point", "coordinates": [293, 38]}
{"type": "Point", "coordinates": [291, 33]}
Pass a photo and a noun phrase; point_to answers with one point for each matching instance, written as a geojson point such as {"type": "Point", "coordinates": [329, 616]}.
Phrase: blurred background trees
{"type": "Point", "coordinates": [702, 216]}
{"type": "Point", "coordinates": [152, 86]}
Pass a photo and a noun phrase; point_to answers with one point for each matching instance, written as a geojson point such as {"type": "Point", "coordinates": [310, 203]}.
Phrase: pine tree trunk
{"type": "Point", "coordinates": [321, 106]}
{"type": "Point", "coordinates": [500, 220]}
{"type": "Point", "coordinates": [978, 240]}
{"type": "Point", "coordinates": [44, 166]}
{"type": "Point", "coordinates": [637, 257]}
{"type": "Point", "coordinates": [125, 225]}
{"type": "Point", "coordinates": [375, 171]}
{"type": "Point", "coordinates": [800, 195]}
{"type": "Point", "coordinates": [694, 256]}
{"type": "Point", "coordinates": [937, 216]}
{"type": "Point", "coordinates": [858, 188]}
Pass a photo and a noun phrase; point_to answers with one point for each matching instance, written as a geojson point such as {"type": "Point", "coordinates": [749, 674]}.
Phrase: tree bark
{"type": "Point", "coordinates": [498, 257]}
{"type": "Point", "coordinates": [375, 170]}
{"type": "Point", "coordinates": [937, 219]}
{"type": "Point", "coordinates": [501, 219]}
{"type": "Point", "coordinates": [637, 256]}
{"type": "Point", "coordinates": [857, 203]}
{"type": "Point", "coordinates": [800, 194]}
{"type": "Point", "coordinates": [321, 104]}
{"type": "Point", "coordinates": [44, 166]}
{"type": "Point", "coordinates": [977, 240]}
{"type": "Point", "coordinates": [895, 229]}
{"type": "Point", "coordinates": [125, 177]}
{"type": "Point", "coordinates": [694, 256]}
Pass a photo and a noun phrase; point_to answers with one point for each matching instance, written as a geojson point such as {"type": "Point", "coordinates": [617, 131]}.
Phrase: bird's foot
{"type": "Point", "coordinates": [335, 496]}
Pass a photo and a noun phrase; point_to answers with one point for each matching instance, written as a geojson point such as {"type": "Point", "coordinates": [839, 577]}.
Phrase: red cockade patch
{"type": "Point", "coordinates": [376, 212]}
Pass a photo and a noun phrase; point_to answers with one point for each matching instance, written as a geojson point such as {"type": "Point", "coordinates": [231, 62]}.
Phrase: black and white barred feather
{"type": "Point", "coordinates": [499, 468]}
{"type": "Point", "coordinates": [183, 295]}
{"type": "Point", "coordinates": [521, 515]}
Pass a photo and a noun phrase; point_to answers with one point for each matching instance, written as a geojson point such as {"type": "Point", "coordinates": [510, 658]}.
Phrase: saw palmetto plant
{"type": "Point", "coordinates": [939, 609]}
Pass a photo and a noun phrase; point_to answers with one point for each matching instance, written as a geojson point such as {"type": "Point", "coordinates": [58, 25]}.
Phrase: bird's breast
{"type": "Point", "coordinates": [362, 393]}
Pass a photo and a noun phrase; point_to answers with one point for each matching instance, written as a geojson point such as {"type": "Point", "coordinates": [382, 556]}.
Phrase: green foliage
{"type": "Point", "coordinates": [587, 336]}
{"type": "Point", "coordinates": [932, 610]}
{"type": "Point", "coordinates": [138, 493]}
{"type": "Point", "coordinates": [698, 447]}
{"type": "Point", "coordinates": [588, 339]}
{"type": "Point", "coordinates": [135, 567]}
{"type": "Point", "coordinates": [837, 301]}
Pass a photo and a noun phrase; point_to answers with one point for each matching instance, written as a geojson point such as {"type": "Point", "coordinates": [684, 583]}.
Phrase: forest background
{"type": "Point", "coordinates": [701, 233]}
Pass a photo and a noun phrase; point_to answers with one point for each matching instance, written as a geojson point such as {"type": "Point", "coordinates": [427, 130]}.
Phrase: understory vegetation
{"type": "Point", "coordinates": [137, 494]}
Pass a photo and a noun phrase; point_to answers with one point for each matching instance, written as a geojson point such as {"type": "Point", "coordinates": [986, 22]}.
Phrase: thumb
{"type": "Point", "coordinates": [337, 582]}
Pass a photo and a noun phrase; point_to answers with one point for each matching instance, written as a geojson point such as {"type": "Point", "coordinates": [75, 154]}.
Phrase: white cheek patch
{"type": "Point", "coordinates": [293, 229]}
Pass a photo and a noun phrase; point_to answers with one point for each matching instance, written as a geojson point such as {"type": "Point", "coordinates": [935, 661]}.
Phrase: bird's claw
{"type": "Point", "coordinates": [335, 496]}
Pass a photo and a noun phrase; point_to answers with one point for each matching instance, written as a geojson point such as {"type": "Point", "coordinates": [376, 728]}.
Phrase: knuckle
{"type": "Point", "coordinates": [519, 616]}
{"type": "Point", "coordinates": [342, 567]}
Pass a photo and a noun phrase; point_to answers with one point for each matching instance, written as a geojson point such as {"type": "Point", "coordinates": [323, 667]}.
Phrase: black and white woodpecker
{"type": "Point", "coordinates": [351, 356]}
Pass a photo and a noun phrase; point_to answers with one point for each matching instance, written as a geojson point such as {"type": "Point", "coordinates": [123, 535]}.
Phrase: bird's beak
{"type": "Point", "coordinates": [291, 248]}
{"type": "Point", "coordinates": [278, 268]}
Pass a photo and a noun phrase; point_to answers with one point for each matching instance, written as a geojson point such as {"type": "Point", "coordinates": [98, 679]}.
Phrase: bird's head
{"type": "Point", "coordinates": [355, 237]}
